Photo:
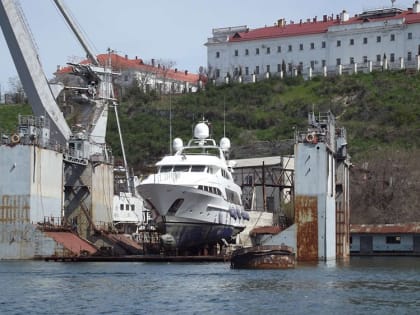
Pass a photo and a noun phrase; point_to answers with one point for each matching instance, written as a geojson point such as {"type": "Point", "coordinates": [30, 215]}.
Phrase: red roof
{"type": "Point", "coordinates": [265, 230]}
{"type": "Point", "coordinates": [317, 27]}
{"type": "Point", "coordinates": [120, 63]}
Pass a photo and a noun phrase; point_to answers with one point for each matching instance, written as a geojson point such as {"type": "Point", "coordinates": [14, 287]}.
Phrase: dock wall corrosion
{"type": "Point", "coordinates": [31, 190]}
{"type": "Point", "coordinates": [31, 184]}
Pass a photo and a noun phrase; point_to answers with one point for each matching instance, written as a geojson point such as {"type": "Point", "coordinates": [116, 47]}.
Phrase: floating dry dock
{"type": "Point", "coordinates": [139, 258]}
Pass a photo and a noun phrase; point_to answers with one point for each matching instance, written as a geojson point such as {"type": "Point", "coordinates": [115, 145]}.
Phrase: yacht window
{"type": "Point", "coordinates": [121, 207]}
{"type": "Point", "coordinates": [233, 197]}
{"type": "Point", "coordinates": [181, 168]}
{"type": "Point", "coordinates": [210, 170]}
{"type": "Point", "coordinates": [127, 207]}
{"type": "Point", "coordinates": [198, 168]}
{"type": "Point", "coordinates": [165, 168]}
{"type": "Point", "coordinates": [175, 206]}
{"type": "Point", "coordinates": [132, 207]}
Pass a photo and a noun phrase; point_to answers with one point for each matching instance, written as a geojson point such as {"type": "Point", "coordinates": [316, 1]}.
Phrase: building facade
{"type": "Point", "coordinates": [382, 239]}
{"type": "Point", "coordinates": [384, 38]}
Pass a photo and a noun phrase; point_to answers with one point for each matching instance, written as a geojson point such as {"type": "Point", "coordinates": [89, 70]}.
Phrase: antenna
{"type": "Point", "coordinates": [224, 116]}
{"type": "Point", "coordinates": [392, 2]}
{"type": "Point", "coordinates": [170, 123]}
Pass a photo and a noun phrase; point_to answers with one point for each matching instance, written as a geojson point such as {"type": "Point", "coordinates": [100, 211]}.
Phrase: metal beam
{"type": "Point", "coordinates": [28, 66]}
{"type": "Point", "coordinates": [77, 32]}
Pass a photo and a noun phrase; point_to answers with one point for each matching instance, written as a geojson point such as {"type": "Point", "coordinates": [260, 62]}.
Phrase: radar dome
{"type": "Point", "coordinates": [201, 131]}
{"type": "Point", "coordinates": [177, 144]}
{"type": "Point", "coordinates": [225, 144]}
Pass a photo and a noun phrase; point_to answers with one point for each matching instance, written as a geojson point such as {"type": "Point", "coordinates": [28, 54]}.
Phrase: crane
{"type": "Point", "coordinates": [42, 95]}
{"type": "Point", "coordinates": [30, 71]}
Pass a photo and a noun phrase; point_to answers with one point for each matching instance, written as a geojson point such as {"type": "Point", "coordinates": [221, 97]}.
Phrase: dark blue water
{"type": "Point", "coordinates": [361, 286]}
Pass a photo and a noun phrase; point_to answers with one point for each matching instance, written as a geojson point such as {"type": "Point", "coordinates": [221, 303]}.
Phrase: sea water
{"type": "Point", "coordinates": [364, 285]}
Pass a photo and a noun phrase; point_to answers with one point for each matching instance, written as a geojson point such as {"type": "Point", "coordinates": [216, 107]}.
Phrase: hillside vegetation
{"type": "Point", "coordinates": [381, 112]}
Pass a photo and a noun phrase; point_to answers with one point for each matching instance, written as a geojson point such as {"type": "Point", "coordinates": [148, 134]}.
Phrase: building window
{"type": "Point", "coordinates": [392, 57]}
{"type": "Point", "coordinates": [338, 61]}
{"type": "Point", "coordinates": [246, 71]}
{"type": "Point", "coordinates": [279, 49]}
{"type": "Point", "coordinates": [409, 56]}
{"type": "Point", "coordinates": [312, 64]}
{"type": "Point", "coordinates": [365, 40]}
{"type": "Point", "coordinates": [312, 45]}
{"type": "Point", "coordinates": [257, 51]}
{"type": "Point", "coordinates": [392, 38]}
{"type": "Point", "coordinates": [268, 68]}
{"type": "Point", "coordinates": [217, 73]}
{"type": "Point", "coordinates": [279, 67]}
{"type": "Point", "coordinates": [246, 52]}
{"type": "Point", "coordinates": [323, 44]}
{"type": "Point", "coordinates": [365, 59]}
{"type": "Point", "coordinates": [236, 53]}
{"type": "Point", "coordinates": [351, 60]}
{"type": "Point", "coordinates": [338, 43]}
{"type": "Point", "coordinates": [300, 46]}
{"type": "Point", "coordinates": [410, 36]}
{"type": "Point", "coordinates": [268, 50]}
{"type": "Point", "coordinates": [351, 41]}
{"type": "Point", "coordinates": [257, 70]}
{"type": "Point", "coordinates": [378, 39]}
{"type": "Point", "coordinates": [378, 58]}
{"type": "Point", "coordinates": [324, 63]}
{"type": "Point", "coordinates": [393, 239]}
{"type": "Point", "coordinates": [217, 54]}
{"type": "Point", "coordinates": [290, 48]}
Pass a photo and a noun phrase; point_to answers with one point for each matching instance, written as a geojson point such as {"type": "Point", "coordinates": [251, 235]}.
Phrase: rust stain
{"type": "Point", "coordinates": [73, 244]}
{"type": "Point", "coordinates": [306, 218]}
{"type": "Point", "coordinates": [14, 209]}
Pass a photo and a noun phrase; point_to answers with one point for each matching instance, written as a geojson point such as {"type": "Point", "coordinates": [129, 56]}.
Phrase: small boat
{"type": "Point", "coordinates": [263, 257]}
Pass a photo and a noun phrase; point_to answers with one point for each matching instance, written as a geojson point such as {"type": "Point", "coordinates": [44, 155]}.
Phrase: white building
{"type": "Point", "coordinates": [385, 38]}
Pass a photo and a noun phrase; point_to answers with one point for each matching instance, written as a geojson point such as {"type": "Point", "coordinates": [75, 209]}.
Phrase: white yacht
{"type": "Point", "coordinates": [193, 197]}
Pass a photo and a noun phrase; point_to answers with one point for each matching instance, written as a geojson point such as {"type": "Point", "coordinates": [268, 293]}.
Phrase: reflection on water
{"type": "Point", "coordinates": [366, 285]}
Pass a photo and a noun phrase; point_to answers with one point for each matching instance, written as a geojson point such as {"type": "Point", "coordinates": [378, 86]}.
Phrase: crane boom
{"type": "Point", "coordinates": [28, 66]}
{"type": "Point", "coordinates": [77, 32]}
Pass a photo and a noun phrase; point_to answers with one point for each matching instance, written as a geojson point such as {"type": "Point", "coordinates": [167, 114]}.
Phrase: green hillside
{"type": "Point", "coordinates": [9, 116]}
{"type": "Point", "coordinates": [381, 112]}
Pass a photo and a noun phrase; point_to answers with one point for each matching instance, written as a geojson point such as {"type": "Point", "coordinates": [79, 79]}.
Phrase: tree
{"type": "Point", "coordinates": [16, 91]}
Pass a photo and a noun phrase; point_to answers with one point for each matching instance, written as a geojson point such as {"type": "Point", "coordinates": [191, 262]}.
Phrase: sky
{"type": "Point", "coordinates": [168, 30]}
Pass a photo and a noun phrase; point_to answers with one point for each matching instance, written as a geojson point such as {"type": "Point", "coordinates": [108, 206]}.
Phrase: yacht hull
{"type": "Point", "coordinates": [189, 233]}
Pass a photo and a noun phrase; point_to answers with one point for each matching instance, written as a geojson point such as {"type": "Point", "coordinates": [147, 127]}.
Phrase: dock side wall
{"type": "Point", "coordinates": [30, 191]}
